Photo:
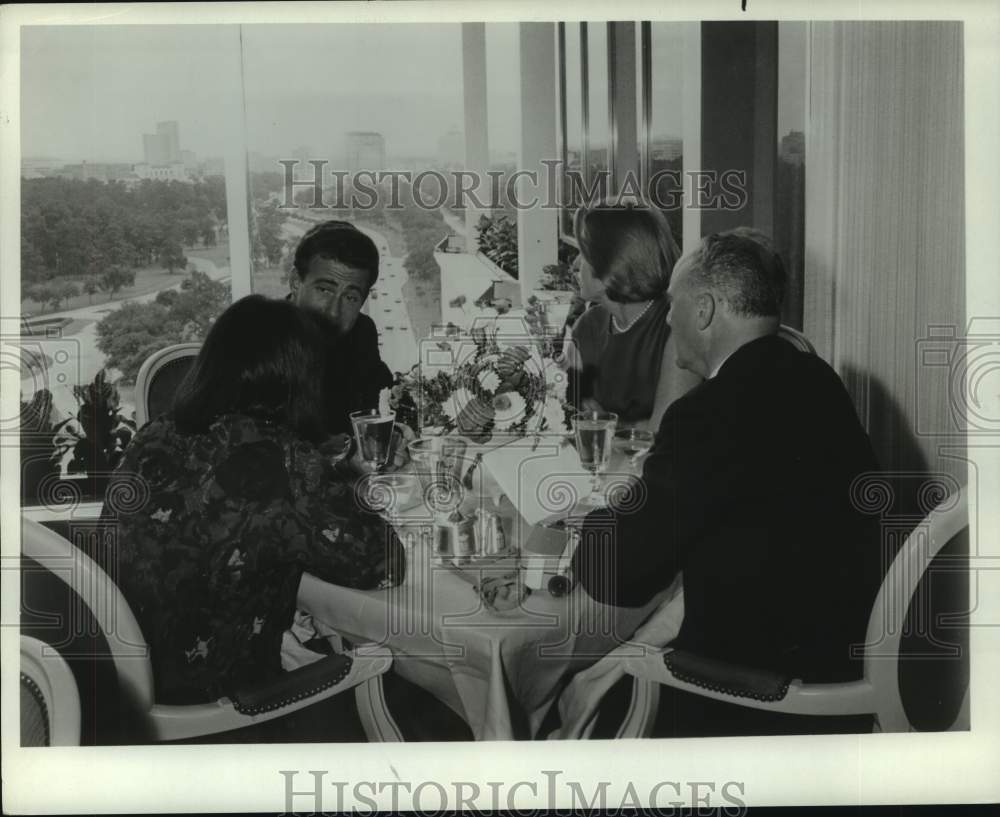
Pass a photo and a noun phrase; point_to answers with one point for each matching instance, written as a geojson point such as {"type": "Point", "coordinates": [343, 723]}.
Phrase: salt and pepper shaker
{"type": "Point", "coordinates": [492, 539]}
{"type": "Point", "coordinates": [455, 538]}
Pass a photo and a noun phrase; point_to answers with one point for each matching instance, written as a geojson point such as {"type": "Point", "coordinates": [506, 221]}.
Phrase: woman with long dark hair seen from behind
{"type": "Point", "coordinates": [235, 497]}
{"type": "Point", "coordinates": [619, 358]}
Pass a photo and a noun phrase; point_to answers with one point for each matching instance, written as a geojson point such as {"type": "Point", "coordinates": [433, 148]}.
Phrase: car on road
{"type": "Point", "coordinates": [388, 329]}
{"type": "Point", "coordinates": [388, 310]}
{"type": "Point", "coordinates": [403, 328]}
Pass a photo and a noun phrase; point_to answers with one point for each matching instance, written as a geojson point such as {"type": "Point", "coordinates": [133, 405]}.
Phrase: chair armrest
{"type": "Point", "coordinates": [287, 693]}
{"type": "Point", "coordinates": [723, 676]}
{"type": "Point", "coordinates": [750, 687]}
{"type": "Point", "coordinates": [289, 687]}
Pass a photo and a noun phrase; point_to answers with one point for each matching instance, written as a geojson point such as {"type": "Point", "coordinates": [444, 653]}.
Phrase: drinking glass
{"type": "Point", "coordinates": [634, 443]}
{"type": "Point", "coordinates": [373, 432]}
{"type": "Point", "coordinates": [595, 432]}
{"type": "Point", "coordinates": [439, 463]}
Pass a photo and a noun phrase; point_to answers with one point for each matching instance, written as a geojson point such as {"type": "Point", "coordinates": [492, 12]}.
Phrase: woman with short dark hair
{"type": "Point", "coordinates": [617, 359]}
{"type": "Point", "coordinates": [231, 497]}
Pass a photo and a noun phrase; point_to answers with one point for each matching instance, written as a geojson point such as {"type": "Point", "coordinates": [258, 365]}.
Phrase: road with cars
{"type": "Point", "coordinates": [386, 304]}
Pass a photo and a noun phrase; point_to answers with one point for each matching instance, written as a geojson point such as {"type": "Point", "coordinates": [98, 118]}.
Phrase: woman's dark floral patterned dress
{"type": "Point", "coordinates": [213, 534]}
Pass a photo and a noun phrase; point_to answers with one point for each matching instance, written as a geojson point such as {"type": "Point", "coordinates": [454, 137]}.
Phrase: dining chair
{"type": "Point", "coordinates": [98, 603]}
{"type": "Point", "coordinates": [158, 379]}
{"type": "Point", "coordinates": [877, 693]}
{"type": "Point", "coordinates": [796, 338]}
{"type": "Point", "coordinates": [50, 701]}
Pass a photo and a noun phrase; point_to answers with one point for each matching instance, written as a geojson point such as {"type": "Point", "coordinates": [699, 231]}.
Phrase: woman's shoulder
{"type": "Point", "coordinates": [593, 322]}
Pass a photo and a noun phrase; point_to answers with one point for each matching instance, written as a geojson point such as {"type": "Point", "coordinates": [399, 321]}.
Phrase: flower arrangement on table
{"type": "Point", "coordinates": [493, 386]}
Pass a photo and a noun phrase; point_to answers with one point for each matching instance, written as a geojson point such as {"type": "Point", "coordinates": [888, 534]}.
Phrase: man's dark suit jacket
{"type": "Point", "coordinates": [748, 492]}
{"type": "Point", "coordinates": [357, 374]}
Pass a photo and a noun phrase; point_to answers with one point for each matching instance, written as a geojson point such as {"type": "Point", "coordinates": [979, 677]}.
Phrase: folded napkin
{"type": "Point", "coordinates": [542, 481]}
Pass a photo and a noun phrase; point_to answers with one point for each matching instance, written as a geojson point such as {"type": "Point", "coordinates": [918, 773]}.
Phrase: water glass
{"type": "Point", "coordinates": [373, 432]}
{"type": "Point", "coordinates": [634, 443]}
{"type": "Point", "coordinates": [595, 431]}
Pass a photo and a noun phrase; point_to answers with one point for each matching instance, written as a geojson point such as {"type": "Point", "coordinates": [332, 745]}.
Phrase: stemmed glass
{"type": "Point", "coordinates": [595, 432]}
{"type": "Point", "coordinates": [634, 443]}
{"type": "Point", "coordinates": [373, 432]}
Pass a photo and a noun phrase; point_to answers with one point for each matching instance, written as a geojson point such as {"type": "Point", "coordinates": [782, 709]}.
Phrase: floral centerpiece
{"type": "Point", "coordinates": [489, 384]}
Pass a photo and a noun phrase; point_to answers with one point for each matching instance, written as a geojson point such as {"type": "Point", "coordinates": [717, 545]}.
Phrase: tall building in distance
{"type": "Point", "coordinates": [170, 132]}
{"type": "Point", "coordinates": [154, 149]}
{"type": "Point", "coordinates": [162, 154]}
{"type": "Point", "coordinates": [365, 151]}
{"type": "Point", "coordinates": [164, 146]}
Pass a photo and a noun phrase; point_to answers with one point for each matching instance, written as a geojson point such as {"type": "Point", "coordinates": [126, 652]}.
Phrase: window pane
{"type": "Point", "coordinates": [123, 219]}
{"type": "Point", "coordinates": [597, 76]}
{"type": "Point", "coordinates": [574, 114]}
{"type": "Point", "coordinates": [503, 92]}
{"type": "Point", "coordinates": [361, 99]}
{"type": "Point", "coordinates": [789, 220]}
{"type": "Point", "coordinates": [640, 95]}
{"type": "Point", "coordinates": [666, 154]}
{"type": "Point", "coordinates": [503, 100]}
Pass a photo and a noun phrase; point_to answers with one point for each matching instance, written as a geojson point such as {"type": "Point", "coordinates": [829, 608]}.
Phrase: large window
{"type": "Point", "coordinates": [663, 55]}
{"type": "Point", "coordinates": [585, 120]}
{"type": "Point", "coordinates": [133, 194]}
{"type": "Point", "coordinates": [790, 172]}
{"type": "Point", "coordinates": [598, 137]}
{"type": "Point", "coordinates": [124, 229]}
{"type": "Point", "coordinates": [571, 110]}
{"type": "Point", "coordinates": [346, 101]}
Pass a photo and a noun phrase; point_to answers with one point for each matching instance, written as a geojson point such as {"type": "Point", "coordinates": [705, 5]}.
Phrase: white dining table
{"type": "Point", "coordinates": [500, 670]}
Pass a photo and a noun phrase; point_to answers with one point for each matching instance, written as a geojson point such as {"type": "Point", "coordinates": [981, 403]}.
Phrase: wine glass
{"type": "Point", "coordinates": [594, 435]}
{"type": "Point", "coordinates": [634, 443]}
{"type": "Point", "coordinates": [373, 431]}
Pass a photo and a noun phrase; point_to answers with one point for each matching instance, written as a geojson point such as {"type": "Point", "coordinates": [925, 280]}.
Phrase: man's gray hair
{"type": "Point", "coordinates": [742, 268]}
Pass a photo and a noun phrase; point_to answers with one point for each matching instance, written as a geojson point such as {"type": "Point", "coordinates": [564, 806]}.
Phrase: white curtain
{"type": "Point", "coordinates": [885, 261]}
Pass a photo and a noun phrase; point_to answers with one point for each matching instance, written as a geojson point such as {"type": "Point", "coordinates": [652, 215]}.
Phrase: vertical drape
{"type": "Point", "coordinates": [885, 258]}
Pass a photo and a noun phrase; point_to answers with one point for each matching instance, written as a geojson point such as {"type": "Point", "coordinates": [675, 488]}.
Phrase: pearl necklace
{"type": "Point", "coordinates": [623, 329]}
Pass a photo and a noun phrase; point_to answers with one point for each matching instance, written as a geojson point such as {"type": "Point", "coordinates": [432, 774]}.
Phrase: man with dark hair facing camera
{"type": "Point", "coordinates": [336, 266]}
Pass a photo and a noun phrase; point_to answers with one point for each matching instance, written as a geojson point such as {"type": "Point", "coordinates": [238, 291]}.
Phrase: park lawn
{"type": "Point", "coordinates": [218, 255]}
{"type": "Point", "coordinates": [424, 310]}
{"type": "Point", "coordinates": [147, 279]}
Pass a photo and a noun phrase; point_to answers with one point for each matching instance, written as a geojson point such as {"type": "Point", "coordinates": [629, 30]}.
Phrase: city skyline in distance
{"type": "Point", "coordinates": [87, 90]}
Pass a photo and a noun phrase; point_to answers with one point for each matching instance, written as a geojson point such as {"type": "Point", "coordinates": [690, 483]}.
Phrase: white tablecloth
{"type": "Point", "coordinates": [500, 671]}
